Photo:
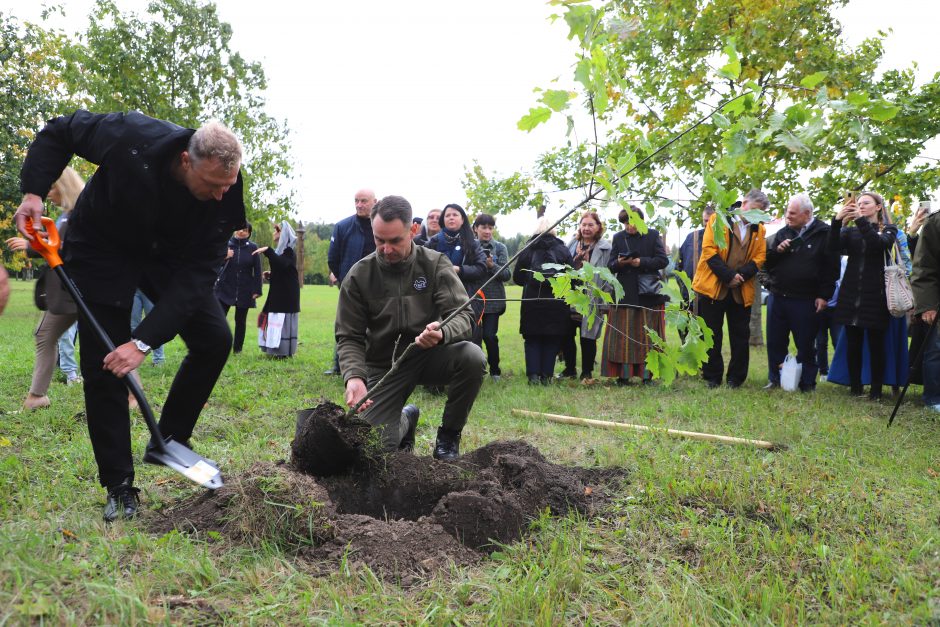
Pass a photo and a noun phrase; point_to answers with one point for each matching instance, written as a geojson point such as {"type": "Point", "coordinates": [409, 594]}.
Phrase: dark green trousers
{"type": "Point", "coordinates": [459, 366]}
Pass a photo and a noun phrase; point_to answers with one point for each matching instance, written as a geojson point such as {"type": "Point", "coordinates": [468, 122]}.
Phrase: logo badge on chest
{"type": "Point", "coordinates": [421, 284]}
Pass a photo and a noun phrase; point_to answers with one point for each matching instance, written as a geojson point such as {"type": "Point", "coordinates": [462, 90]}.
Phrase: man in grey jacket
{"type": "Point", "coordinates": [396, 295]}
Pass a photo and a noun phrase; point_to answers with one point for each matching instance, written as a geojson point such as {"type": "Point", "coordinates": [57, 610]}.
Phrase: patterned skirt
{"type": "Point", "coordinates": [626, 342]}
{"type": "Point", "coordinates": [288, 344]}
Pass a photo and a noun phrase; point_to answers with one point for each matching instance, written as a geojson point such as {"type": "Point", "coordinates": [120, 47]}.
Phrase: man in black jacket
{"type": "Point", "coordinates": [156, 215]}
{"type": "Point", "coordinates": [802, 278]}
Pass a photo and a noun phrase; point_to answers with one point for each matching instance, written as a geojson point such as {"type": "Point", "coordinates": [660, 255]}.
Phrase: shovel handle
{"type": "Point", "coordinates": [48, 247]}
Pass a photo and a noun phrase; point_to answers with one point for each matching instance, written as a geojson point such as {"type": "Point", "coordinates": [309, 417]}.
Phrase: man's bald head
{"type": "Point", "coordinates": [365, 200]}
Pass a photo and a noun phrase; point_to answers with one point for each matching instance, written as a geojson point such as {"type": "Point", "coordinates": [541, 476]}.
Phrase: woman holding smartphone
{"type": "Point", "coordinates": [862, 307]}
{"type": "Point", "coordinates": [636, 259]}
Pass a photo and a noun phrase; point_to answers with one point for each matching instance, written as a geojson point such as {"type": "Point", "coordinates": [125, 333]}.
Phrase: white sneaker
{"type": "Point", "coordinates": [936, 407]}
{"type": "Point", "coordinates": [76, 380]}
{"type": "Point", "coordinates": [822, 378]}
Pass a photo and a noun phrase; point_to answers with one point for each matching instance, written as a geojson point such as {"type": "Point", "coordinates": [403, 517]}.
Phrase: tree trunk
{"type": "Point", "coordinates": [757, 327]}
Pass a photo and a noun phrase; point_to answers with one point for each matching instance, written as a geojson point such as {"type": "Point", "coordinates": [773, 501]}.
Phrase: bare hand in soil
{"type": "Point", "coordinates": [431, 336]}
{"type": "Point", "coordinates": [123, 359]}
{"type": "Point", "coordinates": [355, 390]}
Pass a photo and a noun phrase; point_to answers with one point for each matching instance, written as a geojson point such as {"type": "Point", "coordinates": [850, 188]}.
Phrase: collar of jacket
{"type": "Point", "coordinates": [400, 267]}
{"type": "Point", "coordinates": [239, 242]}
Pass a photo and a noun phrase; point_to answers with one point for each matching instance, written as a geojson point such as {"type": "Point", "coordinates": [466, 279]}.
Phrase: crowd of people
{"type": "Point", "coordinates": [401, 276]}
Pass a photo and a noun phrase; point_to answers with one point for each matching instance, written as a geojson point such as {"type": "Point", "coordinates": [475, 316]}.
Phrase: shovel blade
{"type": "Point", "coordinates": [189, 464]}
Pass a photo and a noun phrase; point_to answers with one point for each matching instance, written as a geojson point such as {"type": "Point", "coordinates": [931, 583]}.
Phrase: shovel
{"type": "Point", "coordinates": [170, 453]}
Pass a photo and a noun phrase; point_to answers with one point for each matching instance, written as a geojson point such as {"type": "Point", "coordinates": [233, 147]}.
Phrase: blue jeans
{"type": "Point", "coordinates": [142, 305]}
{"type": "Point", "coordinates": [931, 368]}
{"type": "Point", "coordinates": [67, 363]}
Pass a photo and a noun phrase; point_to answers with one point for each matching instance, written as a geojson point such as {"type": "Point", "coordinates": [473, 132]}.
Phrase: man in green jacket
{"type": "Point", "coordinates": [926, 285]}
{"type": "Point", "coordinates": [396, 295]}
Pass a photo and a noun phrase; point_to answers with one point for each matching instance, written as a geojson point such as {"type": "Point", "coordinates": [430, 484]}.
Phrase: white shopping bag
{"type": "Point", "coordinates": [790, 373]}
{"type": "Point", "coordinates": [269, 335]}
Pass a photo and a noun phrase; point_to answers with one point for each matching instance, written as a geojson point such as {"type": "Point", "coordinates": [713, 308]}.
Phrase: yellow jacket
{"type": "Point", "coordinates": [712, 272]}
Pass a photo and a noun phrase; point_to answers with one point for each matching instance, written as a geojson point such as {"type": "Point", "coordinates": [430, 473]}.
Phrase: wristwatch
{"type": "Point", "coordinates": [143, 348]}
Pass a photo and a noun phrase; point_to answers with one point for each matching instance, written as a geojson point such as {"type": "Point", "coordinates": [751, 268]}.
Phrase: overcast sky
{"type": "Point", "coordinates": [401, 96]}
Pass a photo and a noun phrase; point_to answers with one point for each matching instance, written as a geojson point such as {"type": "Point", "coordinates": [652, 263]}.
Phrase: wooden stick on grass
{"type": "Point", "coordinates": [709, 437]}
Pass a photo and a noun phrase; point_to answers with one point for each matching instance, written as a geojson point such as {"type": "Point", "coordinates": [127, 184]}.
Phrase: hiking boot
{"type": "Point", "coordinates": [408, 441]}
{"type": "Point", "coordinates": [122, 501]}
{"type": "Point", "coordinates": [447, 446]}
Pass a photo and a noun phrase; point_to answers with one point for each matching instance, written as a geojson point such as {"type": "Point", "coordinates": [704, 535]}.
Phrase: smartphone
{"type": "Point", "coordinates": [927, 206]}
{"type": "Point", "coordinates": [489, 253]}
{"type": "Point", "coordinates": [627, 255]}
{"type": "Point", "coordinates": [850, 196]}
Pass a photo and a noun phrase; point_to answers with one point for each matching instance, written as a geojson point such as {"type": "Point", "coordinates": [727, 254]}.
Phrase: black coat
{"type": "Point", "coordinates": [133, 225]}
{"type": "Point", "coordinates": [649, 248]}
{"type": "Point", "coordinates": [284, 291]}
{"type": "Point", "coordinates": [862, 292]}
{"type": "Point", "coordinates": [240, 278]}
{"type": "Point", "coordinates": [810, 271]}
{"type": "Point", "coordinates": [542, 317]}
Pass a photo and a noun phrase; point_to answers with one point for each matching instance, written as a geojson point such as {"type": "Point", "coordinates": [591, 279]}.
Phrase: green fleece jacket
{"type": "Point", "coordinates": [926, 278]}
{"type": "Point", "coordinates": [381, 302]}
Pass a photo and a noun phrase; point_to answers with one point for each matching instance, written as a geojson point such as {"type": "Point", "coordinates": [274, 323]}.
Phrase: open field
{"type": "Point", "coordinates": [842, 527]}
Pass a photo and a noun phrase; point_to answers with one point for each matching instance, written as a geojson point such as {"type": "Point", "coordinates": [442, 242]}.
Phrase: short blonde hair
{"type": "Point", "coordinates": [543, 226]}
{"type": "Point", "coordinates": [70, 185]}
{"type": "Point", "coordinates": [214, 140]}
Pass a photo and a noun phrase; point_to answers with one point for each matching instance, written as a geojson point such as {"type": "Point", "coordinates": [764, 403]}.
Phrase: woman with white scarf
{"type": "Point", "coordinates": [277, 325]}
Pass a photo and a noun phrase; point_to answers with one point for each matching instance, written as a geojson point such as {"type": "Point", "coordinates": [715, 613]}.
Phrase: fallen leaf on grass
{"type": "Point", "coordinates": [68, 535]}
{"type": "Point", "coordinates": [930, 471]}
{"type": "Point", "coordinates": [4, 441]}
{"type": "Point", "coordinates": [588, 491]}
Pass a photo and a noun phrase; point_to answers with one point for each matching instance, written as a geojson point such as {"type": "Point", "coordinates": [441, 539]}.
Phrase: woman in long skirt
{"type": "Point", "coordinates": [277, 326]}
{"type": "Point", "coordinates": [637, 260]}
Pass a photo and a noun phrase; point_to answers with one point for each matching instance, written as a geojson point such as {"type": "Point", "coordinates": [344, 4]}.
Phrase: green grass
{"type": "Point", "coordinates": [843, 527]}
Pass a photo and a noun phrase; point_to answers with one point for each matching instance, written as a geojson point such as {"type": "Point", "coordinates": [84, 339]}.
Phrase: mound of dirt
{"type": "Point", "coordinates": [402, 516]}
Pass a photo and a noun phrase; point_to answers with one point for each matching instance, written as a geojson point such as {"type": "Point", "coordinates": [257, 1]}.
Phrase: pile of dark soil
{"type": "Point", "coordinates": [401, 515]}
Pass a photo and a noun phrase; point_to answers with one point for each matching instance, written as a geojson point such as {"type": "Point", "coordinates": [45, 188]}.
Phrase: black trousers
{"type": "Point", "coordinates": [241, 317]}
{"type": "Point", "coordinates": [714, 313]}
{"type": "Point", "coordinates": [487, 333]}
{"type": "Point", "coordinates": [855, 337]}
{"type": "Point", "coordinates": [798, 316]}
{"type": "Point", "coordinates": [208, 341]}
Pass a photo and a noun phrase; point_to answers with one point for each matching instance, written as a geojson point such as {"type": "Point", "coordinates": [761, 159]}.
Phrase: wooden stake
{"type": "Point", "coordinates": [588, 422]}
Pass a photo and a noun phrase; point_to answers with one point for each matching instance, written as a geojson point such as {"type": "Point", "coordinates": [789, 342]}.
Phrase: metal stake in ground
{"type": "Point", "coordinates": [920, 352]}
{"type": "Point", "coordinates": [171, 454]}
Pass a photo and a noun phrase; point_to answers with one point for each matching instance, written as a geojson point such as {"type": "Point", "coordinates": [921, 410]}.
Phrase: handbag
{"type": "Point", "coordinates": [39, 293]}
{"type": "Point", "coordinates": [790, 373]}
{"type": "Point", "coordinates": [898, 292]}
{"type": "Point", "coordinates": [649, 284]}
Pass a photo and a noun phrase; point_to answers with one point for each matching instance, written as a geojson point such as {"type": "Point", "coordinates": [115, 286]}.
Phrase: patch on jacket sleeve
{"type": "Point", "coordinates": [421, 284]}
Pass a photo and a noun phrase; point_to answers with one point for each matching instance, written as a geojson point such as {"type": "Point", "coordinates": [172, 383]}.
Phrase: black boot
{"type": "Point", "coordinates": [447, 446]}
{"type": "Point", "coordinates": [122, 501]}
{"type": "Point", "coordinates": [408, 441]}
{"type": "Point", "coordinates": [535, 379]}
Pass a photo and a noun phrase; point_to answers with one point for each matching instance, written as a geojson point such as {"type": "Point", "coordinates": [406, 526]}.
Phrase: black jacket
{"type": "Point", "coordinates": [649, 248]}
{"type": "Point", "coordinates": [284, 291]}
{"type": "Point", "coordinates": [542, 317]}
{"type": "Point", "coordinates": [133, 226]}
{"type": "Point", "coordinates": [810, 271]}
{"type": "Point", "coordinates": [240, 278]}
{"type": "Point", "coordinates": [862, 292]}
